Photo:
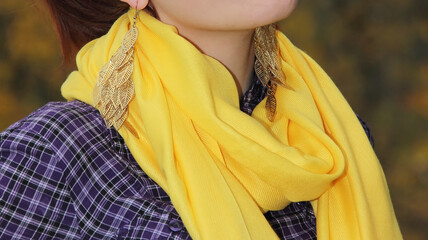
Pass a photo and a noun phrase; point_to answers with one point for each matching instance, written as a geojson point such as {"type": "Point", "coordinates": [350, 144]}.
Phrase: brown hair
{"type": "Point", "coordinates": [80, 21]}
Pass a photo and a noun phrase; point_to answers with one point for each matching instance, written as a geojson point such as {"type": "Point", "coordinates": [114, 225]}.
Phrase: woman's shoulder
{"type": "Point", "coordinates": [32, 176]}
{"type": "Point", "coordinates": [57, 116]}
{"type": "Point", "coordinates": [54, 157]}
{"type": "Point", "coordinates": [54, 134]}
{"type": "Point", "coordinates": [54, 123]}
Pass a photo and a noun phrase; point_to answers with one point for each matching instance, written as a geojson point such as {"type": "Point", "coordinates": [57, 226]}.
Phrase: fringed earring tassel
{"type": "Point", "coordinates": [268, 65]}
{"type": "Point", "coordinates": [114, 88]}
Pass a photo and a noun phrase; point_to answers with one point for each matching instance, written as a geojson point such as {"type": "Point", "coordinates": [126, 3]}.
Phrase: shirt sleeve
{"type": "Point", "coordinates": [367, 130]}
{"type": "Point", "coordinates": [34, 201]}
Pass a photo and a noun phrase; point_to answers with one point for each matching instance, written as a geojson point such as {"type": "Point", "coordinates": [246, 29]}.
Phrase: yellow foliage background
{"type": "Point", "coordinates": [375, 51]}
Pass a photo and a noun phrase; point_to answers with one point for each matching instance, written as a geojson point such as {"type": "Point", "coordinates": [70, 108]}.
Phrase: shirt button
{"type": "Point", "coordinates": [175, 225]}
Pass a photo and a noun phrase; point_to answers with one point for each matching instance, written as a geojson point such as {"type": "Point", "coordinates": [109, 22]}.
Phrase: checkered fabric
{"type": "Point", "coordinates": [64, 175]}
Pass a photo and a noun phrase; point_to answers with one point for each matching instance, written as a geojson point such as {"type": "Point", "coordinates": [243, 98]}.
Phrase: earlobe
{"type": "Point", "coordinates": [137, 4]}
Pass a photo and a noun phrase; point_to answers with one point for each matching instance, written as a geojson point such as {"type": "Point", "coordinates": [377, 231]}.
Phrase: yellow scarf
{"type": "Point", "coordinates": [222, 168]}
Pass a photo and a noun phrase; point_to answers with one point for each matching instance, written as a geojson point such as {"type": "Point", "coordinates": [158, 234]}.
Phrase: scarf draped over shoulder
{"type": "Point", "coordinates": [222, 168]}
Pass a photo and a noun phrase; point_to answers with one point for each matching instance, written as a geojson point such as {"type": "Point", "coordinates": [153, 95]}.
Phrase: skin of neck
{"type": "Point", "coordinates": [234, 49]}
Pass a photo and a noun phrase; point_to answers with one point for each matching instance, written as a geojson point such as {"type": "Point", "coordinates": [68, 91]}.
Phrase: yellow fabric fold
{"type": "Point", "coordinates": [222, 168]}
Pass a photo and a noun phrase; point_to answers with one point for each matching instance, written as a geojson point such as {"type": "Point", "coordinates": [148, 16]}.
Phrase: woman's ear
{"type": "Point", "coordinates": [137, 4]}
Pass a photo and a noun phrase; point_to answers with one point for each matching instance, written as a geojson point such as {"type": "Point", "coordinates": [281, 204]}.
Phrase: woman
{"type": "Point", "coordinates": [187, 119]}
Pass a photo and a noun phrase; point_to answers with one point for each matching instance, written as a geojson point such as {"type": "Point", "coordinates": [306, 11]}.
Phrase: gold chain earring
{"type": "Point", "coordinates": [114, 88]}
{"type": "Point", "coordinates": [268, 65]}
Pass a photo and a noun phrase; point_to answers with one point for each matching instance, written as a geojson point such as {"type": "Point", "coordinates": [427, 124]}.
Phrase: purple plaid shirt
{"type": "Point", "coordinates": [64, 175]}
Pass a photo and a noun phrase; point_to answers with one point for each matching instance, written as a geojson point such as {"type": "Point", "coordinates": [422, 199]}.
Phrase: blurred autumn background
{"type": "Point", "coordinates": [376, 52]}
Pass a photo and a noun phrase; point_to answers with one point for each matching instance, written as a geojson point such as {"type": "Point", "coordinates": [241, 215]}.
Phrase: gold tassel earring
{"type": "Point", "coordinates": [114, 88]}
{"type": "Point", "coordinates": [268, 65]}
